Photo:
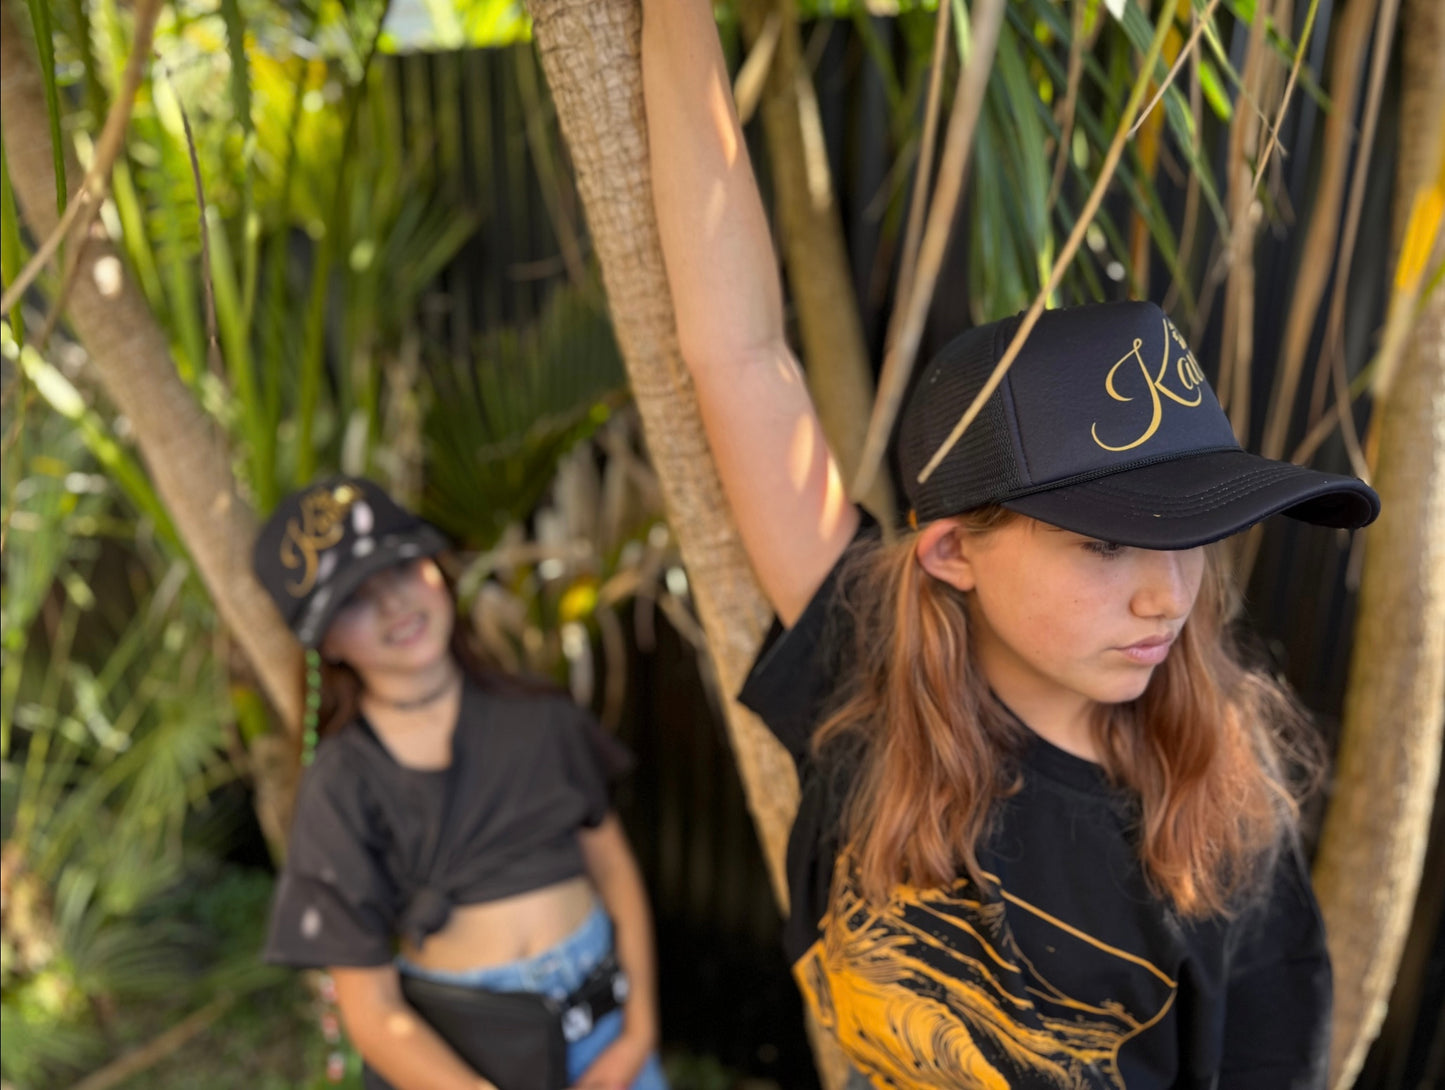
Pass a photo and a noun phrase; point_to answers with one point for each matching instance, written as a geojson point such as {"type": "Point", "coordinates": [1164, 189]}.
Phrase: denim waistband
{"type": "Point", "coordinates": [557, 971]}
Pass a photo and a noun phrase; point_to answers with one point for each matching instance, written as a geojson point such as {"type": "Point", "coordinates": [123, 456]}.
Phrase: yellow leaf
{"type": "Point", "coordinates": [1420, 236]}
{"type": "Point", "coordinates": [579, 601]}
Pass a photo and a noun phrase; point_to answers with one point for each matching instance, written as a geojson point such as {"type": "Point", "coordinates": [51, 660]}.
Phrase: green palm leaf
{"type": "Point", "coordinates": [497, 425]}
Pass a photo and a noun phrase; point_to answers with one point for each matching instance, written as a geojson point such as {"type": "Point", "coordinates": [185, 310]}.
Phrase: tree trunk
{"type": "Point", "coordinates": [834, 356]}
{"type": "Point", "coordinates": [184, 451]}
{"type": "Point", "coordinates": [590, 54]}
{"type": "Point", "coordinates": [1373, 845]}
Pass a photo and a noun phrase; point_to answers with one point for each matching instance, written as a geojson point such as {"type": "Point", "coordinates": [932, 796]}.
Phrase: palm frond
{"type": "Point", "coordinates": [496, 425]}
{"type": "Point", "coordinates": [38, 1044]}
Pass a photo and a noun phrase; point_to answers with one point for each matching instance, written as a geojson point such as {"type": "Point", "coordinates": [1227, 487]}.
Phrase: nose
{"type": "Point", "coordinates": [1168, 583]}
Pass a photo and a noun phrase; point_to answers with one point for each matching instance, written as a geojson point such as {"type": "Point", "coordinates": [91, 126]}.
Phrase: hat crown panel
{"type": "Point", "coordinates": [1107, 387]}
{"type": "Point", "coordinates": [1095, 390]}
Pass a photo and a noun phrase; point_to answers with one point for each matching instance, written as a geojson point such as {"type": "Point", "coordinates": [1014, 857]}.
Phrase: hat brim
{"type": "Point", "coordinates": [1200, 498]}
{"type": "Point", "coordinates": [397, 547]}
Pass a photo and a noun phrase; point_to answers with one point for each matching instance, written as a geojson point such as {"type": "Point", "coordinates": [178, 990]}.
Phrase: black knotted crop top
{"type": "Point", "coordinates": [379, 851]}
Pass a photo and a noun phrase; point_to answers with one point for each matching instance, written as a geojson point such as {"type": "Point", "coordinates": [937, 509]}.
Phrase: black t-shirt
{"type": "Point", "coordinates": [1068, 974]}
{"type": "Point", "coordinates": [379, 851]}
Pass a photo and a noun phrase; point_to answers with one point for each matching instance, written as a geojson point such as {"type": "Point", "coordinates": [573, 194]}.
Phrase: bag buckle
{"type": "Point", "coordinates": [577, 1022]}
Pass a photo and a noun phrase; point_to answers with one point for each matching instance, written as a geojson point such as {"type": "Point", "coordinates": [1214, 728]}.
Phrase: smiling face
{"type": "Point", "coordinates": [397, 623]}
{"type": "Point", "coordinates": [1061, 622]}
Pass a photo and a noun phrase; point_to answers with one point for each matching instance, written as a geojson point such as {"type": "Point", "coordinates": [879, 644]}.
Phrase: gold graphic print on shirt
{"type": "Point", "coordinates": [932, 991]}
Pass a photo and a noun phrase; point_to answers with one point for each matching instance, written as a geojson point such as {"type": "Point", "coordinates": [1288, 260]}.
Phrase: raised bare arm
{"type": "Point", "coordinates": [780, 478]}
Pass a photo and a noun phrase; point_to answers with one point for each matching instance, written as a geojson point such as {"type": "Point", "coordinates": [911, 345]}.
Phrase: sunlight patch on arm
{"type": "Point", "coordinates": [789, 370]}
{"type": "Point", "coordinates": [713, 208]}
{"type": "Point", "coordinates": [804, 453]}
{"type": "Point", "coordinates": [801, 452]}
{"type": "Point", "coordinates": [401, 1024]}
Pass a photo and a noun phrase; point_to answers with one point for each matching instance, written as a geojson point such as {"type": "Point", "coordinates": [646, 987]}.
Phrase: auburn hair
{"type": "Point", "coordinates": [1208, 752]}
{"type": "Point", "coordinates": [341, 686]}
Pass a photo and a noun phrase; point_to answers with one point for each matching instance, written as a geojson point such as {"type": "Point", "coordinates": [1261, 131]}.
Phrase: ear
{"type": "Point", "coordinates": [942, 550]}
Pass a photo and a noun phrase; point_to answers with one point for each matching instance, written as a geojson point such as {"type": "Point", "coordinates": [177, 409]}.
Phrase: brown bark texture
{"type": "Point", "coordinates": [1373, 845]}
{"type": "Point", "coordinates": [810, 229]}
{"type": "Point", "coordinates": [590, 54]}
{"type": "Point", "coordinates": [184, 451]}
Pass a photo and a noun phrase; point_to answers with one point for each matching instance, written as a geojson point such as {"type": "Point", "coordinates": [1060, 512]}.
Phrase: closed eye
{"type": "Point", "coordinates": [1104, 548]}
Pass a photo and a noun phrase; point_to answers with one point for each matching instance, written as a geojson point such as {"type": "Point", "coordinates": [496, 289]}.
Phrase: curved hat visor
{"type": "Point", "coordinates": [397, 547]}
{"type": "Point", "coordinates": [1199, 498]}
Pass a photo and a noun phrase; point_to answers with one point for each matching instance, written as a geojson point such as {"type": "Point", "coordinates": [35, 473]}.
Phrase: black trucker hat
{"type": "Point", "coordinates": [323, 542]}
{"type": "Point", "coordinates": [1104, 425]}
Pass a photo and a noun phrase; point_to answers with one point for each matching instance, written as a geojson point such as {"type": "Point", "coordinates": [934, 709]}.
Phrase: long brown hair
{"type": "Point", "coordinates": [1207, 750]}
{"type": "Point", "coordinates": [341, 686]}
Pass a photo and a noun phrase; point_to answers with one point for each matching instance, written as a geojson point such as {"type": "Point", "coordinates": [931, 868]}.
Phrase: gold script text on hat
{"type": "Point", "coordinates": [1188, 373]}
{"type": "Point", "coordinates": [321, 525]}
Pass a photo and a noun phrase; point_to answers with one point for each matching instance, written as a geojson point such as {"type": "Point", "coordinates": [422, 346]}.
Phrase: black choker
{"type": "Point", "coordinates": [417, 702]}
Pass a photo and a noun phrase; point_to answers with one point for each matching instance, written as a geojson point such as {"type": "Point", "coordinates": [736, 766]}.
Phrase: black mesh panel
{"type": "Point", "coordinates": [981, 467]}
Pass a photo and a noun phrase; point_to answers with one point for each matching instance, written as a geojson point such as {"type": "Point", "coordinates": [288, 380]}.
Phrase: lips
{"type": "Point", "coordinates": [1148, 652]}
{"type": "Point", "coordinates": [405, 632]}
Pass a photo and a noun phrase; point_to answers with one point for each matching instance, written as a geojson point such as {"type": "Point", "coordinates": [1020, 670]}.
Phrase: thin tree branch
{"type": "Point", "coordinates": [1236, 356]}
{"type": "Point", "coordinates": [1317, 435]}
{"type": "Point", "coordinates": [753, 75]}
{"type": "Point", "coordinates": [1379, 65]}
{"type": "Point", "coordinates": [1348, 38]}
{"type": "Point", "coordinates": [1346, 416]}
{"type": "Point", "coordinates": [77, 243]}
{"type": "Point", "coordinates": [1075, 76]}
{"type": "Point", "coordinates": [911, 312]}
{"type": "Point", "coordinates": [188, 465]}
{"type": "Point", "coordinates": [148, 1055]}
{"type": "Point", "coordinates": [26, 276]}
{"type": "Point", "coordinates": [107, 149]}
{"type": "Point", "coordinates": [1071, 247]}
{"type": "Point", "coordinates": [1184, 54]}
{"type": "Point", "coordinates": [913, 232]}
{"type": "Point", "coordinates": [1299, 57]}
{"type": "Point", "coordinates": [1188, 234]}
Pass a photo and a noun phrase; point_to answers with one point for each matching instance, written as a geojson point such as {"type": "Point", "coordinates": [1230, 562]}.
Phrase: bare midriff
{"type": "Point", "coordinates": [494, 932]}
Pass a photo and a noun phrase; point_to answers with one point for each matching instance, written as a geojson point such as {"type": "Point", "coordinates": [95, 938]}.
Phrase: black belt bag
{"type": "Point", "coordinates": [516, 1040]}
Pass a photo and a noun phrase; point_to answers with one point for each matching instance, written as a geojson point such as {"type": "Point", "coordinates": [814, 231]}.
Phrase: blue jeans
{"type": "Point", "coordinates": [557, 972]}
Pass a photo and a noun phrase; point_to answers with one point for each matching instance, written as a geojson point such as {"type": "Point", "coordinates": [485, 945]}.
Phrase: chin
{"type": "Point", "coordinates": [1125, 691]}
{"type": "Point", "coordinates": [422, 657]}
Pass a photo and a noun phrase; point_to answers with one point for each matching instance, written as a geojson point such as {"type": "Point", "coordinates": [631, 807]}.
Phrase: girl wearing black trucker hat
{"type": "Point", "coordinates": [1047, 835]}
{"type": "Point", "coordinates": [453, 861]}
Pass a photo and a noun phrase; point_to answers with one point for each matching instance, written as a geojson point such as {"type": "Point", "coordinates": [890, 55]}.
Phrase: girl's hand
{"type": "Point", "coordinates": [618, 1066]}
